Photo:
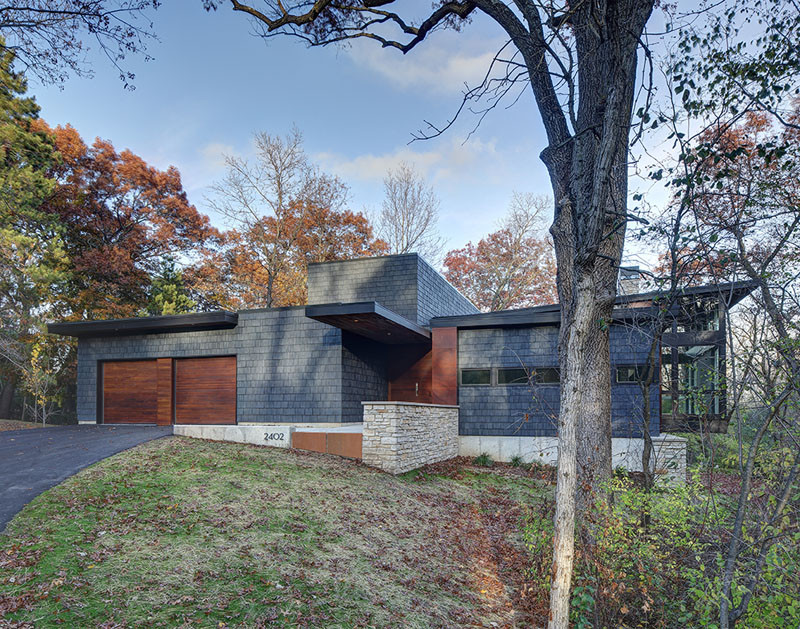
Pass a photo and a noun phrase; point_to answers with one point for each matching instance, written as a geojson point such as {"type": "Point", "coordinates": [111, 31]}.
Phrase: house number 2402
{"type": "Point", "coordinates": [275, 436]}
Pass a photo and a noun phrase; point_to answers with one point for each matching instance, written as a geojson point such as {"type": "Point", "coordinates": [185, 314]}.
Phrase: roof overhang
{"type": "Point", "coordinates": [527, 317]}
{"type": "Point", "coordinates": [371, 320]}
{"type": "Point", "coordinates": [639, 307]}
{"type": "Point", "coordinates": [218, 320]}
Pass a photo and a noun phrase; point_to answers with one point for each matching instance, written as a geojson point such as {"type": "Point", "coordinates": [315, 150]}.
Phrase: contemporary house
{"type": "Point", "coordinates": [388, 350]}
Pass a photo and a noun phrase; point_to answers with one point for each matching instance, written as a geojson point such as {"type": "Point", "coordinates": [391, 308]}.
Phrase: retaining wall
{"type": "Point", "coordinates": [402, 436]}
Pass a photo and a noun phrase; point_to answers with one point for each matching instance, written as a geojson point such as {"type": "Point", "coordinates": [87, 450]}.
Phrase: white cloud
{"type": "Point", "coordinates": [446, 161]}
{"type": "Point", "coordinates": [214, 154]}
{"type": "Point", "coordinates": [442, 65]}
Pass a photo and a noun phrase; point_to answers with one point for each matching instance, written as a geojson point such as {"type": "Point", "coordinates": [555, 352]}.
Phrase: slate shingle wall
{"type": "Point", "coordinates": [403, 283]}
{"type": "Point", "coordinates": [289, 367]}
{"type": "Point", "coordinates": [520, 410]}
{"type": "Point", "coordinates": [437, 297]}
{"type": "Point", "coordinates": [363, 375]}
{"type": "Point", "coordinates": [390, 280]}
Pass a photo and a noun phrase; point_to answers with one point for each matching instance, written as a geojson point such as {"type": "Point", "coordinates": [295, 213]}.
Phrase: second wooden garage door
{"type": "Point", "coordinates": [205, 390]}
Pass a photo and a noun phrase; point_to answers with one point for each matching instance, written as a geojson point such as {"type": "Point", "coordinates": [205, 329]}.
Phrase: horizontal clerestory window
{"type": "Point", "coordinates": [509, 376]}
{"type": "Point", "coordinates": [476, 377]}
{"type": "Point", "coordinates": [512, 376]}
{"type": "Point", "coordinates": [546, 375]}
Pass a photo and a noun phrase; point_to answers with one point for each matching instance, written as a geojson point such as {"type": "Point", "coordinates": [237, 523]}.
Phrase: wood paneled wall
{"type": "Point", "coordinates": [190, 390]}
{"type": "Point", "coordinates": [409, 373]}
{"type": "Point", "coordinates": [130, 391]}
{"type": "Point", "coordinates": [444, 379]}
{"type": "Point", "coordinates": [165, 386]}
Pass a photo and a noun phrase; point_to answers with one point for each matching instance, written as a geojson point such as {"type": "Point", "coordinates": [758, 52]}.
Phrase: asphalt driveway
{"type": "Point", "coordinates": [34, 460]}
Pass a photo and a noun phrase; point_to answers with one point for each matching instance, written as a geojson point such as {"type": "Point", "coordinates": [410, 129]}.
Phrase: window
{"type": "Point", "coordinates": [546, 375]}
{"type": "Point", "coordinates": [476, 377]}
{"type": "Point", "coordinates": [512, 376]}
{"type": "Point", "coordinates": [630, 373]}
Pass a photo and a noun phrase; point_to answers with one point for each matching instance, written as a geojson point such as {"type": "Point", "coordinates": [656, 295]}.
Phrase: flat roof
{"type": "Point", "coordinates": [371, 320]}
{"type": "Point", "coordinates": [216, 320]}
{"type": "Point", "coordinates": [550, 314]}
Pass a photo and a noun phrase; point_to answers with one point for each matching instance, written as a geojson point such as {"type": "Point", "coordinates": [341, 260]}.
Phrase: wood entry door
{"type": "Point", "coordinates": [205, 390]}
{"type": "Point", "coordinates": [130, 392]}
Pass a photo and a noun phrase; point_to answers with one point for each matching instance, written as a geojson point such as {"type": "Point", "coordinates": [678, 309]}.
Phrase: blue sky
{"type": "Point", "coordinates": [211, 84]}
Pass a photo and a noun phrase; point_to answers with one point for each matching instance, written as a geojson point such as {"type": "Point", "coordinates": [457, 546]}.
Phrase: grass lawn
{"type": "Point", "coordinates": [181, 532]}
{"type": "Point", "coordinates": [13, 424]}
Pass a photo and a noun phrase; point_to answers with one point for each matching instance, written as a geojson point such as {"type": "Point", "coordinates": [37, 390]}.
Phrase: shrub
{"type": "Point", "coordinates": [653, 559]}
{"type": "Point", "coordinates": [483, 459]}
{"type": "Point", "coordinates": [517, 461]}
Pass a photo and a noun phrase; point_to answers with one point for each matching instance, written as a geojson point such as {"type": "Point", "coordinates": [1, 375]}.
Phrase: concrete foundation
{"type": "Point", "coordinates": [669, 452]}
{"type": "Point", "coordinates": [276, 436]}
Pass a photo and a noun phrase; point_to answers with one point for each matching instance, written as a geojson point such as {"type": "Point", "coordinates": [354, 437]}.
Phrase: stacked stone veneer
{"type": "Point", "coordinates": [669, 452]}
{"type": "Point", "coordinates": [402, 436]}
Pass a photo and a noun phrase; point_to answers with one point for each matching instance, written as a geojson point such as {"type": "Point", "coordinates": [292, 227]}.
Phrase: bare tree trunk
{"type": "Point", "coordinates": [574, 340]}
{"type": "Point", "coordinates": [7, 396]}
{"type": "Point", "coordinates": [594, 421]}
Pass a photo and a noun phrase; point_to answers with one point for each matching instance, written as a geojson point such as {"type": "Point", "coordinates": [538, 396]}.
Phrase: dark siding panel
{"type": "Point", "coordinates": [289, 367]}
{"type": "Point", "coordinates": [363, 375]}
{"type": "Point", "coordinates": [521, 410]}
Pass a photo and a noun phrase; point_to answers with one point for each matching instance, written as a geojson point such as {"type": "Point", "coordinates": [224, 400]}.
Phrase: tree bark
{"type": "Point", "coordinates": [7, 396]}
{"type": "Point", "coordinates": [574, 342]}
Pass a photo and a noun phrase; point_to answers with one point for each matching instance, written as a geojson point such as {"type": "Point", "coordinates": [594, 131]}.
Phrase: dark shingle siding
{"type": "Point", "coordinates": [532, 411]}
{"type": "Point", "coordinates": [405, 284]}
{"type": "Point", "coordinates": [437, 297]}
{"type": "Point", "coordinates": [391, 281]}
{"type": "Point", "coordinates": [288, 366]}
{"type": "Point", "coordinates": [363, 375]}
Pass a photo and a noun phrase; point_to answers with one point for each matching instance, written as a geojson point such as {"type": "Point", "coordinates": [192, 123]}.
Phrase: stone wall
{"type": "Point", "coordinates": [402, 436]}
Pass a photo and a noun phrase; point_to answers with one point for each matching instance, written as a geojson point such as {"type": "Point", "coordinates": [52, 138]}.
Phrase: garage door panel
{"type": "Point", "coordinates": [205, 390]}
{"type": "Point", "coordinates": [130, 392]}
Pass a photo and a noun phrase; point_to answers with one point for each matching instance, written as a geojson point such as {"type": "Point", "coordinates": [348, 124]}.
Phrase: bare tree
{"type": "Point", "coordinates": [268, 199]}
{"type": "Point", "coordinates": [409, 214]}
{"type": "Point", "coordinates": [50, 38]}
{"type": "Point", "coordinates": [580, 61]}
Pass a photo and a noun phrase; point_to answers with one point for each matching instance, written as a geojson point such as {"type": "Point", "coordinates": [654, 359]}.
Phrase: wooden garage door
{"type": "Point", "coordinates": [130, 393]}
{"type": "Point", "coordinates": [205, 390]}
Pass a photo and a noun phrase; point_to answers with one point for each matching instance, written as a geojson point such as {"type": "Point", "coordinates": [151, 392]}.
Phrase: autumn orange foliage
{"type": "Point", "coordinates": [121, 217]}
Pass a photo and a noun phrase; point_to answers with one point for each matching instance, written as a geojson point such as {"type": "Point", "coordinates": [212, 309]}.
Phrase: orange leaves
{"type": "Point", "coordinates": [122, 216]}
{"type": "Point", "coordinates": [503, 271]}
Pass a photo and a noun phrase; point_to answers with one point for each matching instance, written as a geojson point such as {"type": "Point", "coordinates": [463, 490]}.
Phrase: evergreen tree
{"type": "Point", "coordinates": [32, 260]}
{"type": "Point", "coordinates": [168, 293]}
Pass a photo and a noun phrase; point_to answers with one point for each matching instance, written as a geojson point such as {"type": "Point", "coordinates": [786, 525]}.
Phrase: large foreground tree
{"type": "Point", "coordinates": [580, 61]}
